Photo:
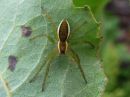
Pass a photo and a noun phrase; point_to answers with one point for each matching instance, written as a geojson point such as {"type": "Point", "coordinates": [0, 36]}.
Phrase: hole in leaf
{"type": "Point", "coordinates": [12, 60]}
{"type": "Point", "coordinates": [26, 31]}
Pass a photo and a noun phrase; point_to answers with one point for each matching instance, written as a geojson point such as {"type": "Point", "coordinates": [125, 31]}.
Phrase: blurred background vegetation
{"type": "Point", "coordinates": [114, 16]}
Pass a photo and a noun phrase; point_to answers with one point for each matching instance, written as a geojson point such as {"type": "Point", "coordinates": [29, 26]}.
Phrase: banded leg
{"type": "Point", "coordinates": [76, 59]}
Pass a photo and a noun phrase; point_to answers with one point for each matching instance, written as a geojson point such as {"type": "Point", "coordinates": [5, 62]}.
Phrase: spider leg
{"type": "Point", "coordinates": [48, 61]}
{"type": "Point", "coordinates": [76, 59]}
{"type": "Point", "coordinates": [46, 75]}
{"type": "Point", "coordinates": [43, 35]}
{"type": "Point", "coordinates": [53, 25]}
{"type": "Point", "coordinates": [74, 37]}
{"type": "Point", "coordinates": [50, 19]}
{"type": "Point", "coordinates": [35, 76]}
{"type": "Point", "coordinates": [88, 42]}
{"type": "Point", "coordinates": [51, 56]}
{"type": "Point", "coordinates": [83, 42]}
{"type": "Point", "coordinates": [78, 27]}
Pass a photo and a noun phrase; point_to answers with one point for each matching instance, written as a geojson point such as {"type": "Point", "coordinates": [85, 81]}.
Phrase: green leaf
{"type": "Point", "coordinates": [64, 77]}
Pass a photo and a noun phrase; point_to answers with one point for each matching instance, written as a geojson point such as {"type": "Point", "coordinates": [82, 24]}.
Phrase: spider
{"type": "Point", "coordinates": [63, 48]}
